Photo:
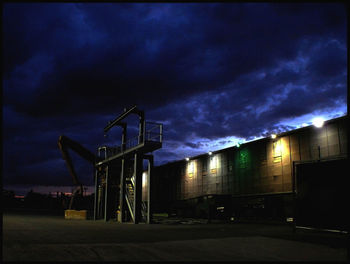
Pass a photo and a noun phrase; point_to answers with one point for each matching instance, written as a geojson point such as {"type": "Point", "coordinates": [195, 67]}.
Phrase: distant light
{"type": "Point", "coordinates": [238, 145]}
{"type": "Point", "coordinates": [187, 159]}
{"type": "Point", "coordinates": [210, 153]}
{"type": "Point", "coordinates": [273, 136]}
{"type": "Point", "coordinates": [318, 122]}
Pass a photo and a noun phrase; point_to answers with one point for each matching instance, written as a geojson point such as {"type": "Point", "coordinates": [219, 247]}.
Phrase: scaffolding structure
{"type": "Point", "coordinates": [118, 172]}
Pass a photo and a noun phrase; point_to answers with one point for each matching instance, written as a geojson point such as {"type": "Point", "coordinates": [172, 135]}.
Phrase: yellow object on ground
{"type": "Point", "coordinates": [75, 214]}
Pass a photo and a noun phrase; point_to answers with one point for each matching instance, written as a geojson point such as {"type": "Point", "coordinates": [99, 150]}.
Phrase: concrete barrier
{"type": "Point", "coordinates": [75, 214]}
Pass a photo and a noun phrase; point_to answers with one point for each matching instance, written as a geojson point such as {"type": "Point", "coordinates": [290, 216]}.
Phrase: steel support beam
{"type": "Point", "coordinates": [138, 160]}
{"type": "Point", "coordinates": [142, 128]}
{"type": "Point", "coordinates": [121, 216]}
{"type": "Point", "coordinates": [149, 190]}
{"type": "Point", "coordinates": [124, 136]}
{"type": "Point", "coordinates": [106, 195]}
{"type": "Point", "coordinates": [96, 194]}
{"type": "Point", "coordinates": [117, 121]}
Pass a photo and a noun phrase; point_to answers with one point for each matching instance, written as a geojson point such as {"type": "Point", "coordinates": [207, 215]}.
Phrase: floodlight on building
{"type": "Point", "coordinates": [318, 122]}
{"type": "Point", "coordinates": [273, 136]}
{"type": "Point", "coordinates": [210, 153]}
{"type": "Point", "coordinates": [187, 159]}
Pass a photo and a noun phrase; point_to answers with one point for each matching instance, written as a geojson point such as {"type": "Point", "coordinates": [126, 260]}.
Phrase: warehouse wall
{"type": "Point", "coordinates": [264, 166]}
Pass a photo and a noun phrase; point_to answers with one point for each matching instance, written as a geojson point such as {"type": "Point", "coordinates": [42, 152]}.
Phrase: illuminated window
{"type": "Point", "coordinates": [190, 168]}
{"type": "Point", "coordinates": [277, 149]}
{"type": "Point", "coordinates": [213, 164]}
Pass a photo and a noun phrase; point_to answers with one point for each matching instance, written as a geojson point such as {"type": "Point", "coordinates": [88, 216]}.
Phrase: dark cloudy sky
{"type": "Point", "coordinates": [213, 74]}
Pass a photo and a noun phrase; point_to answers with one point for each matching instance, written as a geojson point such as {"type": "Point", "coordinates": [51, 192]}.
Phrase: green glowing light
{"type": "Point", "coordinates": [244, 158]}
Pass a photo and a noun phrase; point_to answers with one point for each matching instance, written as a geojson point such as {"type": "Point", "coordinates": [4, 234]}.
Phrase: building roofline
{"type": "Point", "coordinates": [286, 133]}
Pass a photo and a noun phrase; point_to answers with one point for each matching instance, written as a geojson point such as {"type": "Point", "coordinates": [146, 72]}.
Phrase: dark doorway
{"type": "Point", "coordinates": [322, 194]}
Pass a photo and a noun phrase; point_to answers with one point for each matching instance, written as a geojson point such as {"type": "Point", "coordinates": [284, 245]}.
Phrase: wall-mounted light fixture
{"type": "Point", "coordinates": [318, 122]}
{"type": "Point", "coordinates": [210, 153]}
{"type": "Point", "coordinates": [273, 136]}
{"type": "Point", "coordinates": [187, 159]}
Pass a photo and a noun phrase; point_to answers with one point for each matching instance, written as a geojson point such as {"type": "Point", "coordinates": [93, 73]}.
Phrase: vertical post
{"type": "Point", "coordinates": [141, 127]}
{"type": "Point", "coordinates": [339, 138]}
{"type": "Point", "coordinates": [122, 194]}
{"type": "Point", "coordinates": [149, 190]}
{"type": "Point", "coordinates": [294, 196]}
{"type": "Point", "coordinates": [124, 137]}
{"type": "Point", "coordinates": [161, 133]}
{"type": "Point", "coordinates": [96, 194]}
{"type": "Point", "coordinates": [138, 187]}
{"type": "Point", "coordinates": [99, 200]}
{"type": "Point", "coordinates": [106, 194]}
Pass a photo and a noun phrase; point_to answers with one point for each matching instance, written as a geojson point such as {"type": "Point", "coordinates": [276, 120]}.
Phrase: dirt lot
{"type": "Point", "coordinates": [52, 238]}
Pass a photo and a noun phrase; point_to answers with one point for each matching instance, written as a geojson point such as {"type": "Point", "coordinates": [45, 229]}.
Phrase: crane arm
{"type": "Point", "coordinates": [64, 143]}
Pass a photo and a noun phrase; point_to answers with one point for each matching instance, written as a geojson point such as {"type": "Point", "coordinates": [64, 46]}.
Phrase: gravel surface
{"type": "Point", "coordinates": [52, 238]}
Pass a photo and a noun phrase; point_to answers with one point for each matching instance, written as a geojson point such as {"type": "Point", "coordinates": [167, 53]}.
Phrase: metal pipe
{"type": "Point", "coordinates": [137, 187]}
{"type": "Point", "coordinates": [119, 118]}
{"type": "Point", "coordinates": [96, 194]}
{"type": "Point", "coordinates": [106, 195]}
{"type": "Point", "coordinates": [124, 134]}
{"type": "Point", "coordinates": [149, 190]}
{"type": "Point", "coordinates": [122, 189]}
{"type": "Point", "coordinates": [141, 128]}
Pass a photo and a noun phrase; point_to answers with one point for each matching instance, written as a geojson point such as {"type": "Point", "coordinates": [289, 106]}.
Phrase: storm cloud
{"type": "Point", "coordinates": [212, 73]}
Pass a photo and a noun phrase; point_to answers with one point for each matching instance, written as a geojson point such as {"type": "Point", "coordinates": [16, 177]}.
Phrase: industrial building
{"type": "Point", "coordinates": [298, 175]}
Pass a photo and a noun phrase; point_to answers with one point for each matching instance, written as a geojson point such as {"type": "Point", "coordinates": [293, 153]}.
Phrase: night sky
{"type": "Point", "coordinates": [213, 74]}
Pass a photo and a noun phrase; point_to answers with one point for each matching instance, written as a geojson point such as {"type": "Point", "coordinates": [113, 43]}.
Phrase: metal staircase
{"type": "Point", "coordinates": [129, 197]}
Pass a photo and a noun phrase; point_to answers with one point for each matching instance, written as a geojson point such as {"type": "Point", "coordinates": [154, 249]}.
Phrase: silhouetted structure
{"type": "Point", "coordinates": [119, 170]}
{"type": "Point", "coordinates": [119, 175]}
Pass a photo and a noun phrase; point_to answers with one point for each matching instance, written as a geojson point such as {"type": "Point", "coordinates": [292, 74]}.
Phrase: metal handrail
{"type": "Point", "coordinates": [153, 123]}
{"type": "Point", "coordinates": [151, 136]}
{"type": "Point", "coordinates": [144, 210]}
{"type": "Point", "coordinates": [148, 135]}
{"type": "Point", "coordinates": [131, 142]}
{"type": "Point", "coordinates": [132, 179]}
{"type": "Point", "coordinates": [153, 128]}
{"type": "Point", "coordinates": [129, 203]}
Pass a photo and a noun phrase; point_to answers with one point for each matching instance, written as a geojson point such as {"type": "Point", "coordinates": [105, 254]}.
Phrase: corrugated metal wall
{"type": "Point", "coordinates": [259, 167]}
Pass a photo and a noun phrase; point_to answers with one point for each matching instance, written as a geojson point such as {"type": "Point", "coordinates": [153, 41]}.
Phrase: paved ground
{"type": "Point", "coordinates": [52, 238]}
